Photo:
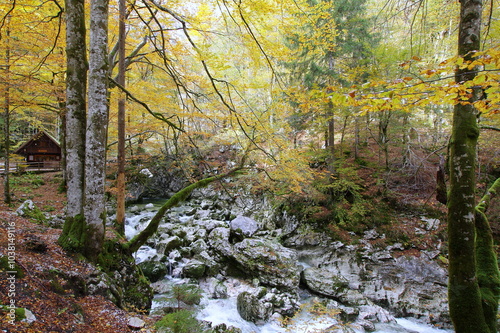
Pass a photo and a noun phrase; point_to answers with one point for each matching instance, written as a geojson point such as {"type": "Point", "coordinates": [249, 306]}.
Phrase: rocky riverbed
{"type": "Point", "coordinates": [268, 265]}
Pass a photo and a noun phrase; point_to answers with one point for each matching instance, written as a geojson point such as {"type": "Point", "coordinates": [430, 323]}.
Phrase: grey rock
{"type": "Point", "coordinates": [217, 289]}
{"type": "Point", "coordinates": [194, 269]}
{"type": "Point", "coordinates": [29, 317]}
{"type": "Point", "coordinates": [218, 239]}
{"type": "Point", "coordinates": [135, 323]}
{"type": "Point", "coordinates": [211, 265]}
{"type": "Point", "coordinates": [244, 226]}
{"type": "Point", "coordinates": [273, 264]}
{"type": "Point", "coordinates": [324, 282]}
{"type": "Point", "coordinates": [26, 206]}
{"type": "Point", "coordinates": [251, 308]}
{"type": "Point", "coordinates": [169, 244]}
{"type": "Point", "coordinates": [199, 246]}
{"type": "Point", "coordinates": [430, 223]}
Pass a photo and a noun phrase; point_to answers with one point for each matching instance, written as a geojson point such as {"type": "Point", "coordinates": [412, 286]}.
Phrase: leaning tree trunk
{"type": "Point", "coordinates": [97, 125]}
{"type": "Point", "coordinates": [464, 296]}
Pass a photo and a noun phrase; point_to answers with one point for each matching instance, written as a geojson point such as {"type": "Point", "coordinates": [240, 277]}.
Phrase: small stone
{"type": "Point", "coordinates": [136, 323]}
{"type": "Point", "coordinates": [29, 316]}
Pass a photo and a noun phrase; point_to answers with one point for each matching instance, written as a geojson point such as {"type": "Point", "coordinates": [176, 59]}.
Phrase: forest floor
{"type": "Point", "coordinates": [55, 309]}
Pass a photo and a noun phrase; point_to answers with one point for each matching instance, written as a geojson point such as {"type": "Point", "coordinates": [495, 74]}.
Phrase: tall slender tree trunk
{"type": "Point", "coordinates": [7, 197]}
{"type": "Point", "coordinates": [74, 230]}
{"type": "Point", "coordinates": [76, 85]}
{"type": "Point", "coordinates": [464, 295]}
{"type": "Point", "coordinates": [97, 126]}
{"type": "Point", "coordinates": [406, 140]}
{"type": "Point", "coordinates": [356, 137]}
{"type": "Point", "coordinates": [120, 198]}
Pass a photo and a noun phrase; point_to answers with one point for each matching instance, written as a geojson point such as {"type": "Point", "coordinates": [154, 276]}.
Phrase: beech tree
{"type": "Point", "coordinates": [6, 118]}
{"type": "Point", "coordinates": [473, 304]}
{"type": "Point", "coordinates": [76, 108]}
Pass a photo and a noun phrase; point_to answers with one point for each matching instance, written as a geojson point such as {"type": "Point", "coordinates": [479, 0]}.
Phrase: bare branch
{"type": "Point", "coordinates": [157, 115]}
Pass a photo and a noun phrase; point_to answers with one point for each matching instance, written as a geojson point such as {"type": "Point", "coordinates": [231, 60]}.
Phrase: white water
{"type": "Point", "coordinates": [225, 311]}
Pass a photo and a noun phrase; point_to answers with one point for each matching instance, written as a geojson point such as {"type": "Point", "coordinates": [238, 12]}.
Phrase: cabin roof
{"type": "Point", "coordinates": [35, 138]}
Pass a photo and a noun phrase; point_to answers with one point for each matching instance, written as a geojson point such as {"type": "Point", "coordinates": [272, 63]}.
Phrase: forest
{"type": "Point", "coordinates": [320, 122]}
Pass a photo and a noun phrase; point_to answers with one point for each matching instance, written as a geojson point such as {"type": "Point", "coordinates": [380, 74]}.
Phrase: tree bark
{"type": "Point", "coordinates": [486, 260]}
{"type": "Point", "coordinates": [120, 197]}
{"type": "Point", "coordinates": [464, 295]}
{"type": "Point", "coordinates": [7, 197]}
{"type": "Point", "coordinates": [76, 87]}
{"type": "Point", "coordinates": [97, 125]}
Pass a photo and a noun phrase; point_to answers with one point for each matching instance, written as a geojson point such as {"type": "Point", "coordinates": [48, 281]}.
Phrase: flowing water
{"type": "Point", "coordinates": [220, 311]}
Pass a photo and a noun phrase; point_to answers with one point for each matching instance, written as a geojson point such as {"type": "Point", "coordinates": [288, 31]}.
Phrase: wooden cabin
{"type": "Point", "coordinates": [41, 151]}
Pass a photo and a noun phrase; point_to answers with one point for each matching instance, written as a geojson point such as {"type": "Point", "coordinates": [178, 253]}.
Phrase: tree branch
{"type": "Point", "coordinates": [157, 115]}
{"type": "Point", "coordinates": [487, 127]}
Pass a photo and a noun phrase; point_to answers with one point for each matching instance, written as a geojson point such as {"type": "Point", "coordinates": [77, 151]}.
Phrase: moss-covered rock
{"type": "Point", "coordinates": [153, 270]}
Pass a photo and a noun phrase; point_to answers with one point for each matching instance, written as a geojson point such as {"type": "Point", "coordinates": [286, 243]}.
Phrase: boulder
{"type": "Point", "coordinates": [223, 328]}
{"type": "Point", "coordinates": [199, 246]}
{"type": "Point", "coordinates": [253, 309]}
{"type": "Point", "coordinates": [218, 239]}
{"type": "Point", "coordinates": [244, 226]}
{"type": "Point", "coordinates": [194, 269]}
{"type": "Point", "coordinates": [324, 282]}
{"type": "Point", "coordinates": [169, 244]}
{"type": "Point", "coordinates": [270, 262]}
{"type": "Point", "coordinates": [212, 266]}
{"type": "Point", "coordinates": [154, 270]}
{"type": "Point", "coordinates": [217, 289]}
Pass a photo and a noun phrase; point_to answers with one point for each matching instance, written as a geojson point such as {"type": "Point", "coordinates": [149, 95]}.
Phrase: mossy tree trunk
{"type": "Point", "coordinates": [488, 274]}
{"type": "Point", "coordinates": [73, 232]}
{"type": "Point", "coordinates": [97, 128]}
{"type": "Point", "coordinates": [76, 105]}
{"type": "Point", "coordinates": [140, 239]}
{"type": "Point", "coordinates": [465, 301]}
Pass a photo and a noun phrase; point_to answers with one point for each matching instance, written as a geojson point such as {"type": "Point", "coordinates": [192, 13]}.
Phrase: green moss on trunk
{"type": "Point", "coordinates": [488, 273]}
{"type": "Point", "coordinates": [74, 234]}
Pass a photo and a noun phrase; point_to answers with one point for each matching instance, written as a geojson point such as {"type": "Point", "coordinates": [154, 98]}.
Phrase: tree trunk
{"type": "Point", "coordinates": [406, 162]}
{"type": "Point", "coordinates": [330, 140]}
{"type": "Point", "coordinates": [464, 296]}
{"type": "Point", "coordinates": [488, 274]}
{"type": "Point", "coordinates": [7, 197]}
{"type": "Point", "coordinates": [342, 136]}
{"type": "Point", "coordinates": [356, 138]}
{"type": "Point", "coordinates": [73, 235]}
{"type": "Point", "coordinates": [383, 138]}
{"type": "Point", "coordinates": [76, 85]}
{"type": "Point", "coordinates": [97, 125]}
{"type": "Point", "coordinates": [120, 197]}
